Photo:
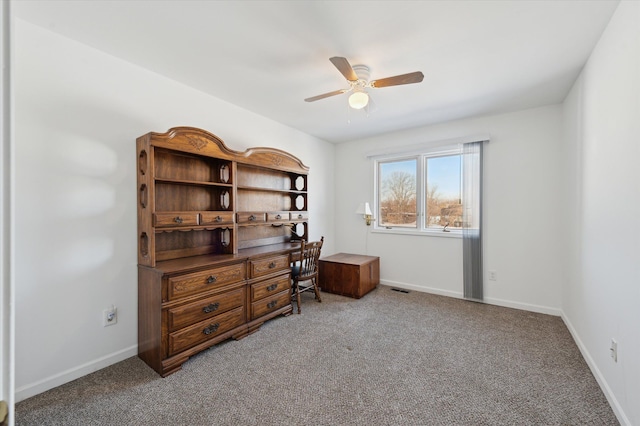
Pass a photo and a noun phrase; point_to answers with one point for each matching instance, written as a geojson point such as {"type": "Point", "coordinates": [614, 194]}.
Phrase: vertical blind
{"type": "Point", "coordinates": [472, 220]}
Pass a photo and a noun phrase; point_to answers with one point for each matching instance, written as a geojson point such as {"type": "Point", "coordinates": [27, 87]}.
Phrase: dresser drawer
{"type": "Point", "coordinates": [270, 287]}
{"type": "Point", "coordinates": [183, 316]}
{"type": "Point", "coordinates": [299, 215]}
{"type": "Point", "coordinates": [270, 304]}
{"type": "Point", "coordinates": [185, 285]}
{"type": "Point", "coordinates": [175, 219]}
{"type": "Point", "coordinates": [268, 265]}
{"type": "Point", "coordinates": [205, 330]}
{"type": "Point", "coordinates": [277, 216]}
{"type": "Point", "coordinates": [251, 217]}
{"type": "Point", "coordinates": [216, 218]}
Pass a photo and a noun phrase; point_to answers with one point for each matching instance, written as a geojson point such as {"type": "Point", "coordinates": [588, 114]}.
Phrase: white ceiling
{"type": "Point", "coordinates": [478, 57]}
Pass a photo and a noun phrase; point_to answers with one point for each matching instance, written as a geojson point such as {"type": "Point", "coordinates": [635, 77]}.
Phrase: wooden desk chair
{"type": "Point", "coordinates": [304, 269]}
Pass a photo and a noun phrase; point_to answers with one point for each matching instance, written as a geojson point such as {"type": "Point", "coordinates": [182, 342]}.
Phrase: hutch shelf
{"type": "Point", "coordinates": [216, 229]}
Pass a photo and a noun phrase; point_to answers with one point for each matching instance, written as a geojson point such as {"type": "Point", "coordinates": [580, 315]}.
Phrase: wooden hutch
{"type": "Point", "coordinates": [216, 229]}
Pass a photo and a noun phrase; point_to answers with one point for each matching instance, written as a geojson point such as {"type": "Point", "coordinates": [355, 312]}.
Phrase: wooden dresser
{"type": "Point", "coordinates": [216, 229]}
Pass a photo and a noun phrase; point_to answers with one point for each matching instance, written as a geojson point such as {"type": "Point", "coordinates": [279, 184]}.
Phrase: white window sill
{"type": "Point", "coordinates": [454, 233]}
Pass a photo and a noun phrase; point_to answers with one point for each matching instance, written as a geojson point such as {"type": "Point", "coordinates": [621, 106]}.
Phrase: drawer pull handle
{"type": "Point", "coordinates": [218, 218]}
{"type": "Point", "coordinates": [211, 279]}
{"type": "Point", "coordinates": [252, 218]}
{"type": "Point", "coordinates": [300, 216]}
{"type": "Point", "coordinates": [272, 287]}
{"type": "Point", "coordinates": [272, 304]}
{"type": "Point", "coordinates": [177, 219]}
{"type": "Point", "coordinates": [211, 307]}
{"type": "Point", "coordinates": [211, 329]}
{"type": "Point", "coordinates": [272, 265]}
{"type": "Point", "coordinates": [278, 216]}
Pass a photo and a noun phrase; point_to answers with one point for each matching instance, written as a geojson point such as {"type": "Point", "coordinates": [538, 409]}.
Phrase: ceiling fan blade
{"type": "Point", "coordinates": [412, 77]}
{"type": "Point", "coordinates": [325, 95]}
{"type": "Point", "coordinates": [344, 67]}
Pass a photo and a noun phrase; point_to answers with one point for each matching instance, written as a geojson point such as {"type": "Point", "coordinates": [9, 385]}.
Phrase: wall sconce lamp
{"type": "Point", "coordinates": [365, 211]}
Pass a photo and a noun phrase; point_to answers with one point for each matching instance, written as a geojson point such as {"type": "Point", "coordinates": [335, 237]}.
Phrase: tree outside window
{"type": "Point", "coordinates": [398, 194]}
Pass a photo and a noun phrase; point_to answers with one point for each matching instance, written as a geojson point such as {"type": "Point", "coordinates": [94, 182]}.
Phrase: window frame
{"type": "Point", "coordinates": [421, 157]}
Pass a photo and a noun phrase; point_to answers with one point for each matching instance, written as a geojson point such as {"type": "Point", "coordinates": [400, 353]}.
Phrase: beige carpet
{"type": "Point", "coordinates": [386, 359]}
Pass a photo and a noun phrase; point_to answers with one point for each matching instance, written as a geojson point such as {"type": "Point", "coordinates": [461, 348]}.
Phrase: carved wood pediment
{"type": "Point", "coordinates": [191, 139]}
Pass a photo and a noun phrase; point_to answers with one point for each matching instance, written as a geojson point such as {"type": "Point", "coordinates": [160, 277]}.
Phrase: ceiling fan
{"type": "Point", "coordinates": [358, 78]}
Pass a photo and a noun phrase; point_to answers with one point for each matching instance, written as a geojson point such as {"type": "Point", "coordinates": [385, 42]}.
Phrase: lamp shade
{"type": "Point", "coordinates": [363, 209]}
{"type": "Point", "coordinates": [358, 100]}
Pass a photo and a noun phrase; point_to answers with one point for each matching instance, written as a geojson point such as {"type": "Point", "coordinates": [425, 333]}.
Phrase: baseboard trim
{"type": "Point", "coordinates": [613, 402]}
{"type": "Point", "coordinates": [56, 380]}
{"type": "Point", "coordinates": [488, 300]}
{"type": "Point", "coordinates": [523, 306]}
{"type": "Point", "coordinates": [430, 290]}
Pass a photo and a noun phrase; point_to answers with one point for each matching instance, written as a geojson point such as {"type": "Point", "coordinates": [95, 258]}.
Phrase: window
{"type": "Point", "coordinates": [397, 193]}
{"type": "Point", "coordinates": [443, 206]}
{"type": "Point", "coordinates": [420, 192]}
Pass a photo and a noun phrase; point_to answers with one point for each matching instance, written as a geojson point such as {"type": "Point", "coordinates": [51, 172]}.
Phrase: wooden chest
{"type": "Point", "coordinates": [350, 275]}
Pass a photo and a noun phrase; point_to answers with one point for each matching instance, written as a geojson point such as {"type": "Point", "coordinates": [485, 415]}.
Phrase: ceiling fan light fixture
{"type": "Point", "coordinates": [358, 100]}
{"type": "Point", "coordinates": [358, 78]}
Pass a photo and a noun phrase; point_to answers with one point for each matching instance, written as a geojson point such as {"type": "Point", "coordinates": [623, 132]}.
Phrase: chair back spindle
{"type": "Point", "coordinates": [305, 269]}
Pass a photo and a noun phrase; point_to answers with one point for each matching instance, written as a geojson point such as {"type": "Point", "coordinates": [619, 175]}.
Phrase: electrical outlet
{"type": "Point", "coordinates": [493, 276]}
{"type": "Point", "coordinates": [614, 350]}
{"type": "Point", "coordinates": [110, 316]}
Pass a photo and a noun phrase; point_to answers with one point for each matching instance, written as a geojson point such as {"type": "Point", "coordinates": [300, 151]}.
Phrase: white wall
{"type": "Point", "coordinates": [78, 113]}
{"type": "Point", "coordinates": [522, 217]}
{"type": "Point", "coordinates": [6, 192]}
{"type": "Point", "coordinates": [601, 300]}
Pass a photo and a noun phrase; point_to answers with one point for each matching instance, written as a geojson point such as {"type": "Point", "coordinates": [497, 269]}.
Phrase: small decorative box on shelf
{"type": "Point", "coordinates": [352, 275]}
